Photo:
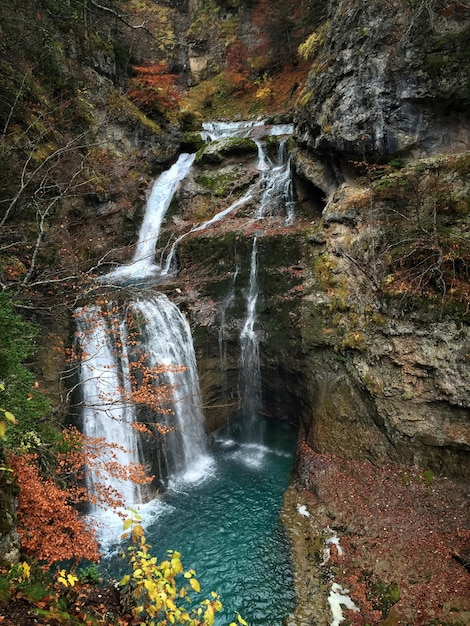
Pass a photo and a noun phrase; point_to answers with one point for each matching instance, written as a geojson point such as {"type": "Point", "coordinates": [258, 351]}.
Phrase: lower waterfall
{"type": "Point", "coordinates": [151, 339]}
{"type": "Point", "coordinates": [167, 341]}
{"type": "Point", "coordinates": [106, 411]}
{"type": "Point", "coordinates": [251, 426]}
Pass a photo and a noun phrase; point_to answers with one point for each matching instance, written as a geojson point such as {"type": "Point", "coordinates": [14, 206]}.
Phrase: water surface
{"type": "Point", "coordinates": [227, 528]}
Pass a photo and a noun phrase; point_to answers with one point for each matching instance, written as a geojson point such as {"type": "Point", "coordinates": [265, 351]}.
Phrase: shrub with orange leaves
{"type": "Point", "coordinates": [153, 89]}
{"type": "Point", "coordinates": [50, 527]}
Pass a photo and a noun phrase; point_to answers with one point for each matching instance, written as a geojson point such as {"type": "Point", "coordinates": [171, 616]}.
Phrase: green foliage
{"type": "Point", "coordinates": [21, 394]}
{"type": "Point", "coordinates": [90, 574]}
{"type": "Point", "coordinates": [462, 164]}
{"type": "Point", "coordinates": [354, 340]}
{"type": "Point", "coordinates": [428, 476]}
{"type": "Point", "coordinates": [162, 592]}
{"type": "Point", "coordinates": [204, 19]}
{"type": "Point", "coordinates": [5, 418]}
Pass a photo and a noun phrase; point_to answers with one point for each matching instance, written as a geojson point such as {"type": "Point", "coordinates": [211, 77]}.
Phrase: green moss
{"type": "Point", "coordinates": [385, 596]}
{"type": "Point", "coordinates": [462, 164]}
{"type": "Point", "coordinates": [193, 141]}
{"type": "Point", "coordinates": [216, 182]}
{"type": "Point", "coordinates": [125, 110]}
{"type": "Point", "coordinates": [324, 267]}
{"type": "Point", "coordinates": [203, 21]}
{"type": "Point", "coordinates": [354, 340]}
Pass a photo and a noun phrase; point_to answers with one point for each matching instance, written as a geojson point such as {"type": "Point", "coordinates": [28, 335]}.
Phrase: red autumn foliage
{"type": "Point", "coordinates": [50, 527]}
{"type": "Point", "coordinates": [237, 64]}
{"type": "Point", "coordinates": [153, 88]}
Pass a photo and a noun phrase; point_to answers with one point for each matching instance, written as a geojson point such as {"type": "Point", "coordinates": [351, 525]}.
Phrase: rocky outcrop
{"type": "Point", "coordinates": [388, 79]}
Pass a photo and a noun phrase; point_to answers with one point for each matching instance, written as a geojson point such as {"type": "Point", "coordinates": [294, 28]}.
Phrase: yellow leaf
{"type": "Point", "coordinates": [3, 428]}
{"type": "Point", "coordinates": [10, 417]}
{"type": "Point", "coordinates": [209, 615]}
{"type": "Point", "coordinates": [124, 580]}
{"type": "Point", "coordinates": [195, 584]}
{"type": "Point", "coordinates": [241, 620]}
{"type": "Point", "coordinates": [127, 524]}
{"type": "Point", "coordinates": [138, 533]}
{"type": "Point", "coordinates": [150, 586]}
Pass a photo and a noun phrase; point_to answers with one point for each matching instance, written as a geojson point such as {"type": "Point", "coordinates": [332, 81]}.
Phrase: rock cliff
{"type": "Point", "coordinates": [389, 79]}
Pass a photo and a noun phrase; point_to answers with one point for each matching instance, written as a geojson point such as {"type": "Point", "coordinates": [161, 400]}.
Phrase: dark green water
{"type": "Point", "coordinates": [227, 528]}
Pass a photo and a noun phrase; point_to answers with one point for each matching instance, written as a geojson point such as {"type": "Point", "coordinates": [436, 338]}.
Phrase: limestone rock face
{"type": "Point", "coordinates": [386, 369]}
{"type": "Point", "coordinates": [390, 78]}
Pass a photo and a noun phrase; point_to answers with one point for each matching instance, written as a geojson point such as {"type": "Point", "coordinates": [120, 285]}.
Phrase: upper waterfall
{"type": "Point", "coordinates": [143, 262]}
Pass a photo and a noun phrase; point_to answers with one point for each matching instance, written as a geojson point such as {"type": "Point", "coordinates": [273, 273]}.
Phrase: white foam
{"type": "Point", "coordinates": [338, 597]}
{"type": "Point", "coordinates": [109, 523]}
{"type": "Point", "coordinates": [198, 472]}
{"type": "Point", "coordinates": [302, 509]}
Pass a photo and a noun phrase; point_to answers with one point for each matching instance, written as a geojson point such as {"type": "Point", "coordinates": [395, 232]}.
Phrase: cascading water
{"type": "Point", "coordinates": [225, 306]}
{"type": "Point", "coordinates": [277, 184]}
{"type": "Point", "coordinates": [107, 409]}
{"type": "Point", "coordinates": [250, 372]}
{"type": "Point", "coordinates": [275, 181]}
{"type": "Point", "coordinates": [143, 262]}
{"type": "Point", "coordinates": [232, 514]}
{"type": "Point", "coordinates": [217, 218]}
{"type": "Point", "coordinates": [168, 342]}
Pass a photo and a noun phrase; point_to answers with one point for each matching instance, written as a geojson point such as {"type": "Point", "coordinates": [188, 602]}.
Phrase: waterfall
{"type": "Point", "coordinates": [277, 185]}
{"type": "Point", "coordinates": [143, 262]}
{"type": "Point", "coordinates": [108, 408]}
{"type": "Point", "coordinates": [163, 333]}
{"type": "Point", "coordinates": [217, 218]}
{"type": "Point", "coordinates": [226, 304]}
{"type": "Point", "coordinates": [167, 340]}
{"type": "Point", "coordinates": [107, 412]}
{"type": "Point", "coordinates": [277, 194]}
{"type": "Point", "coordinates": [250, 373]}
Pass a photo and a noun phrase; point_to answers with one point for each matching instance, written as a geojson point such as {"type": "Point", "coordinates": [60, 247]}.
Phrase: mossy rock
{"type": "Point", "coordinates": [217, 151]}
{"type": "Point", "coordinates": [219, 182]}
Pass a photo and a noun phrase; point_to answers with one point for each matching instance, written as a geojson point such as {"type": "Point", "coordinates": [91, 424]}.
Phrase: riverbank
{"type": "Point", "coordinates": [399, 538]}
